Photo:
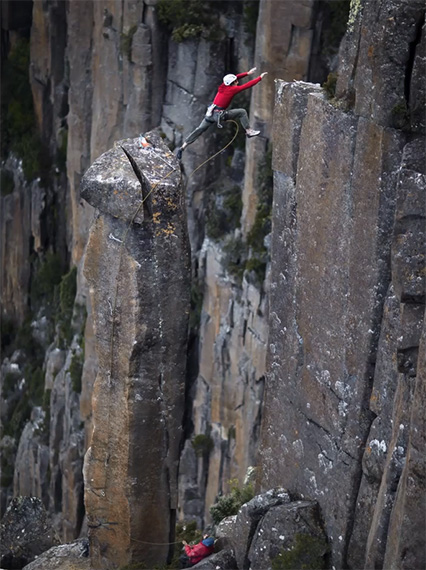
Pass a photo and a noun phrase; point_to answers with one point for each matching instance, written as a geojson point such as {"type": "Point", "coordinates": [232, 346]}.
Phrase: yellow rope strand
{"type": "Point", "coordinates": [220, 151]}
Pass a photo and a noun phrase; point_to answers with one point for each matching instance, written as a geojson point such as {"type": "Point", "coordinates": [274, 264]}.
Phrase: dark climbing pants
{"type": "Point", "coordinates": [205, 124]}
{"type": "Point", "coordinates": [184, 561]}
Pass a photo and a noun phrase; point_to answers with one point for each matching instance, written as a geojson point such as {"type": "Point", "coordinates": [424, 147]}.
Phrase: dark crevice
{"type": "Point", "coordinates": [311, 421]}
{"type": "Point", "coordinates": [143, 182]}
{"type": "Point", "coordinates": [411, 57]}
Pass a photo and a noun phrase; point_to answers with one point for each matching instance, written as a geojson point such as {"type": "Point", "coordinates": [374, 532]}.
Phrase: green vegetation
{"type": "Point", "coordinates": [56, 294]}
{"type": "Point", "coordinates": [32, 395]}
{"type": "Point", "coordinates": [188, 531]}
{"type": "Point", "coordinates": [224, 213]}
{"type": "Point", "coordinates": [250, 255]}
{"type": "Point", "coordinates": [19, 130]}
{"type": "Point", "coordinates": [329, 86]}
{"type": "Point", "coordinates": [67, 292]}
{"type": "Point", "coordinates": [76, 370]}
{"type": "Point", "coordinates": [306, 553]}
{"type": "Point", "coordinates": [250, 14]}
{"type": "Point", "coordinates": [126, 42]}
{"type": "Point", "coordinates": [10, 381]}
{"type": "Point", "coordinates": [400, 116]}
{"type": "Point", "coordinates": [235, 258]}
{"type": "Point", "coordinates": [28, 385]}
{"type": "Point", "coordinates": [188, 19]}
{"type": "Point", "coordinates": [8, 334]}
{"type": "Point", "coordinates": [354, 12]}
{"type": "Point", "coordinates": [202, 444]}
{"type": "Point", "coordinates": [8, 450]}
{"type": "Point", "coordinates": [47, 275]}
{"type": "Point", "coordinates": [262, 224]}
{"type": "Point", "coordinates": [336, 15]}
{"type": "Point", "coordinates": [230, 504]}
{"type": "Point", "coordinates": [196, 305]}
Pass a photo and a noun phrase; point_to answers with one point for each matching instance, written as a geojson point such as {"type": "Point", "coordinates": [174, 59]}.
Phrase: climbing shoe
{"type": "Point", "coordinates": [252, 133]}
{"type": "Point", "coordinates": [179, 153]}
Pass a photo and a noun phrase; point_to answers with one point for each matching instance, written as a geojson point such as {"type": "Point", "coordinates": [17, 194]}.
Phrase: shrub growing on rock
{"type": "Point", "coordinates": [230, 504]}
{"type": "Point", "coordinates": [306, 553]}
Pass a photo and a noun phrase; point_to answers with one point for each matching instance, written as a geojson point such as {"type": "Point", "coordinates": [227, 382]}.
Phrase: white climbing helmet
{"type": "Point", "coordinates": [229, 79]}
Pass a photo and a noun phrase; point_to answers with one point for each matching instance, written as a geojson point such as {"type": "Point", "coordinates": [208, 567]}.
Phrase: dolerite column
{"type": "Point", "coordinates": [137, 266]}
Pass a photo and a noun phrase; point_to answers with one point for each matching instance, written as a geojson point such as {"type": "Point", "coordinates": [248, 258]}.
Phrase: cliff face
{"type": "Point", "coordinates": [334, 332]}
{"type": "Point", "coordinates": [344, 371]}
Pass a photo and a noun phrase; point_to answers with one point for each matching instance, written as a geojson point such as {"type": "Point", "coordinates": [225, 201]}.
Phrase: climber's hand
{"type": "Point", "coordinates": [252, 70]}
{"type": "Point", "coordinates": [184, 542]}
{"type": "Point", "coordinates": [262, 75]}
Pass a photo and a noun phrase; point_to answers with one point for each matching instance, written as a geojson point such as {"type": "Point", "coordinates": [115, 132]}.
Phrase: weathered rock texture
{"type": "Point", "coordinates": [105, 71]}
{"type": "Point", "coordinates": [269, 524]}
{"type": "Point", "coordinates": [72, 556]}
{"type": "Point", "coordinates": [117, 77]}
{"type": "Point", "coordinates": [16, 216]}
{"type": "Point", "coordinates": [347, 297]}
{"type": "Point", "coordinates": [26, 532]}
{"type": "Point", "coordinates": [229, 388]}
{"type": "Point", "coordinates": [284, 37]}
{"type": "Point", "coordinates": [138, 270]}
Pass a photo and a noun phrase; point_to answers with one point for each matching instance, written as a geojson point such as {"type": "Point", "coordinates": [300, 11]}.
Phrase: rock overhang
{"type": "Point", "coordinates": [128, 175]}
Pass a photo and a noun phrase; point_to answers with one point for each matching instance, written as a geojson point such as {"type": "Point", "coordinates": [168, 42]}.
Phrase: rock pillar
{"type": "Point", "coordinates": [138, 269]}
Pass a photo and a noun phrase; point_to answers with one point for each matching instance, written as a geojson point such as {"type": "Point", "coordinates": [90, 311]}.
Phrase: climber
{"type": "Point", "coordinates": [217, 110]}
{"type": "Point", "coordinates": [193, 554]}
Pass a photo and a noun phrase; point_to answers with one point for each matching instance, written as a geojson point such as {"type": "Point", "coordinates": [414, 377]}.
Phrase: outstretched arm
{"type": "Point", "coordinates": [250, 83]}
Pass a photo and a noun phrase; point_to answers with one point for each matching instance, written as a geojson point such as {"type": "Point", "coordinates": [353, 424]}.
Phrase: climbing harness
{"type": "Point", "coordinates": [215, 114]}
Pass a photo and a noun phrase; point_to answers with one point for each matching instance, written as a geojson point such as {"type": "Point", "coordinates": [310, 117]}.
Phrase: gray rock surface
{"type": "Point", "coordinates": [379, 68]}
{"type": "Point", "coordinates": [267, 525]}
{"type": "Point", "coordinates": [25, 532]}
{"type": "Point", "coordinates": [247, 523]}
{"type": "Point", "coordinates": [223, 560]}
{"type": "Point", "coordinates": [70, 556]}
{"type": "Point", "coordinates": [278, 531]}
{"type": "Point", "coordinates": [284, 48]}
{"type": "Point", "coordinates": [138, 271]}
{"type": "Point", "coordinates": [32, 459]}
{"type": "Point", "coordinates": [347, 295]}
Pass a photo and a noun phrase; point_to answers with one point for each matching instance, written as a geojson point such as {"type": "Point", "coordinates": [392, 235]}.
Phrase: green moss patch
{"type": "Point", "coordinates": [306, 553]}
{"type": "Point", "coordinates": [229, 504]}
{"type": "Point", "coordinates": [188, 19]}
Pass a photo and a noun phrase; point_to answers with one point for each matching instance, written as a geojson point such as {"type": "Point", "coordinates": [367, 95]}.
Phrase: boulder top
{"type": "Point", "coordinates": [127, 174]}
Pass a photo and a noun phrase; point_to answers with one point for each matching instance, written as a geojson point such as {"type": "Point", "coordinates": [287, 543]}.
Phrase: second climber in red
{"type": "Point", "coordinates": [193, 554]}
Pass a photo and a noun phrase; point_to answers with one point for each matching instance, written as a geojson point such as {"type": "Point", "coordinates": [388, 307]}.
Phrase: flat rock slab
{"type": "Point", "coordinates": [72, 556]}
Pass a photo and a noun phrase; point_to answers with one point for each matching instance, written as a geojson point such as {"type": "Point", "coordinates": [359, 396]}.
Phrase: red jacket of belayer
{"type": "Point", "coordinates": [199, 551]}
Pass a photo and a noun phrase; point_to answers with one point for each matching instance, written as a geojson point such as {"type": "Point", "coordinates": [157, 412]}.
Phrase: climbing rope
{"type": "Point", "coordinates": [220, 151]}
{"type": "Point", "coordinates": [153, 543]}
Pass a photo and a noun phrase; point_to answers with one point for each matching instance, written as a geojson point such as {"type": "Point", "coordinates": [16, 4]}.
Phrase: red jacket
{"type": "Point", "coordinates": [198, 552]}
{"type": "Point", "coordinates": [225, 93]}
